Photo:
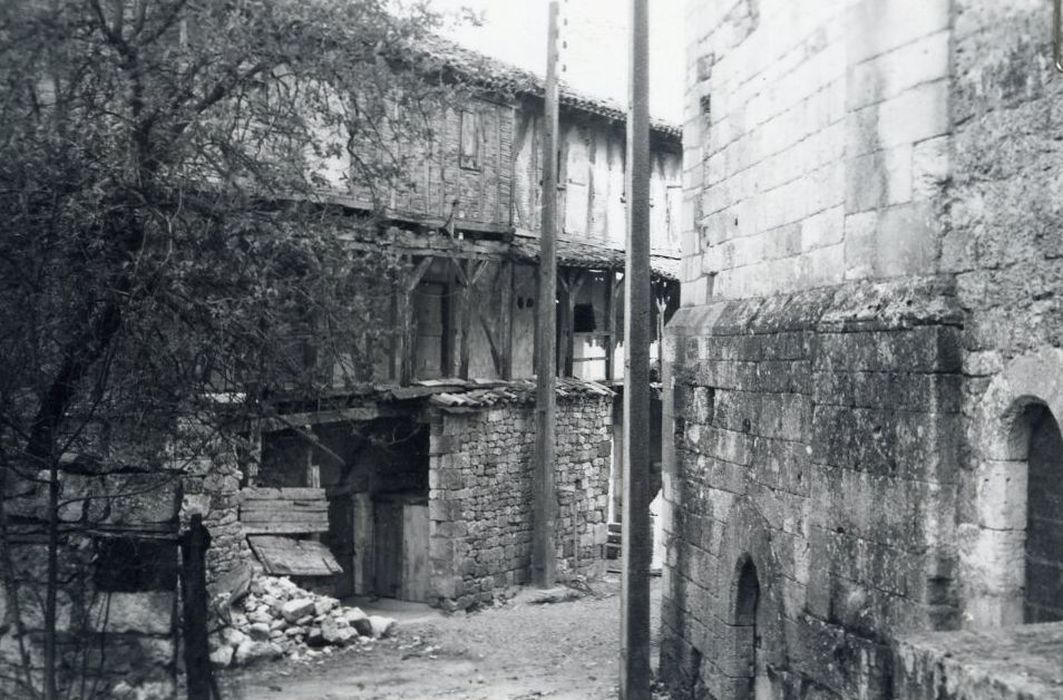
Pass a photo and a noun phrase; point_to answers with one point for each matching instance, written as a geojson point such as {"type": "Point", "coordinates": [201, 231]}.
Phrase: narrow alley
{"type": "Point", "coordinates": [518, 650]}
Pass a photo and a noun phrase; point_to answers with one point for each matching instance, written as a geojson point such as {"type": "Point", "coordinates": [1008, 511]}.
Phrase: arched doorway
{"type": "Point", "coordinates": [749, 634]}
{"type": "Point", "coordinates": [1043, 593]}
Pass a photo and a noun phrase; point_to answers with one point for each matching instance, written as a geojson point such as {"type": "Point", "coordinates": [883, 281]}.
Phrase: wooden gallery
{"type": "Point", "coordinates": [418, 486]}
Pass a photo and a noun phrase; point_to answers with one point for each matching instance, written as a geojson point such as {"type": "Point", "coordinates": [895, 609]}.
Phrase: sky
{"type": "Point", "coordinates": [594, 44]}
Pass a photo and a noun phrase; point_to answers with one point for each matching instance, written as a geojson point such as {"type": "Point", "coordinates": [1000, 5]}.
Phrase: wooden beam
{"type": "Point", "coordinates": [417, 275]}
{"type": "Point", "coordinates": [610, 322]}
{"type": "Point", "coordinates": [463, 277]}
{"type": "Point", "coordinates": [338, 415]}
{"type": "Point", "coordinates": [496, 351]}
{"type": "Point", "coordinates": [466, 324]}
{"type": "Point", "coordinates": [506, 319]}
{"type": "Point", "coordinates": [408, 284]}
{"type": "Point", "coordinates": [568, 329]}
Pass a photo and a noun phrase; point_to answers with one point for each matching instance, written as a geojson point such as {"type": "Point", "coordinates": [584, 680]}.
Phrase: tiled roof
{"type": "Point", "coordinates": [596, 255]}
{"type": "Point", "coordinates": [439, 53]}
{"type": "Point", "coordinates": [480, 395]}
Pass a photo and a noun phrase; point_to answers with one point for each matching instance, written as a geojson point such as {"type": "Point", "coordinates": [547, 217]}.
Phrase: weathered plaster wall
{"type": "Point", "coordinates": [480, 498]}
{"type": "Point", "coordinates": [813, 143]}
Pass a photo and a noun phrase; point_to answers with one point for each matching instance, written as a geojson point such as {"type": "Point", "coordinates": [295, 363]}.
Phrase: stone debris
{"type": "Point", "coordinates": [278, 618]}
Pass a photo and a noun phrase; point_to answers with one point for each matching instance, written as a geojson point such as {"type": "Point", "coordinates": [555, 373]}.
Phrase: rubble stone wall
{"type": "Point", "coordinates": [116, 615]}
{"type": "Point", "coordinates": [211, 488]}
{"type": "Point", "coordinates": [816, 436]}
{"type": "Point", "coordinates": [480, 497]}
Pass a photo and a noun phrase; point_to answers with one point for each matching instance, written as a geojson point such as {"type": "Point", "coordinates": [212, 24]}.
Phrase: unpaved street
{"type": "Point", "coordinates": [517, 651]}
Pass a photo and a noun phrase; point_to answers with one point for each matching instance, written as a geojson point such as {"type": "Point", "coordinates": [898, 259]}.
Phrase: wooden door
{"type": "Point", "coordinates": [415, 552]}
{"type": "Point", "coordinates": [340, 538]}
{"type": "Point", "coordinates": [387, 548]}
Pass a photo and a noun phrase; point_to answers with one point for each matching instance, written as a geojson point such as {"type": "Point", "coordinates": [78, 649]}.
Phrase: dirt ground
{"type": "Point", "coordinates": [518, 651]}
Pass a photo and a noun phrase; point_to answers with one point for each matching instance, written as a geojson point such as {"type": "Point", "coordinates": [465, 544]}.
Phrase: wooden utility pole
{"type": "Point", "coordinates": [635, 595]}
{"type": "Point", "coordinates": [544, 563]}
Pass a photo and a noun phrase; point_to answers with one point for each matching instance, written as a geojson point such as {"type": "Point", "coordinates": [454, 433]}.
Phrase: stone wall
{"type": "Point", "coordinates": [816, 437]}
{"type": "Point", "coordinates": [1016, 663]}
{"type": "Point", "coordinates": [1005, 249]}
{"type": "Point", "coordinates": [901, 157]}
{"type": "Point", "coordinates": [116, 615]}
{"type": "Point", "coordinates": [480, 498]}
{"type": "Point", "coordinates": [211, 471]}
{"type": "Point", "coordinates": [814, 143]}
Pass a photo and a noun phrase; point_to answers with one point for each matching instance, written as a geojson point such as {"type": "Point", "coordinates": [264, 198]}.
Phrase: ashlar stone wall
{"type": "Point", "coordinates": [815, 143]}
{"type": "Point", "coordinates": [902, 157]}
{"type": "Point", "coordinates": [480, 497]}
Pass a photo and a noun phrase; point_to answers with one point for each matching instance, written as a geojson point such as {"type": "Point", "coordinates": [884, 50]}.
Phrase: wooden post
{"type": "Point", "coordinates": [635, 586]}
{"type": "Point", "coordinates": [194, 544]}
{"type": "Point", "coordinates": [610, 322]}
{"type": "Point", "coordinates": [408, 353]}
{"type": "Point", "coordinates": [544, 505]}
{"type": "Point", "coordinates": [571, 283]}
{"type": "Point", "coordinates": [505, 324]}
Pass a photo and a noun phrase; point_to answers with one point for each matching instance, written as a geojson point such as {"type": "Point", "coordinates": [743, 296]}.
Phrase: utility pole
{"type": "Point", "coordinates": [635, 592]}
{"type": "Point", "coordinates": [544, 565]}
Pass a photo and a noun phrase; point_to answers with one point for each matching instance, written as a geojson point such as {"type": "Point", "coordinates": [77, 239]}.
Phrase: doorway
{"type": "Point", "coordinates": [1043, 596]}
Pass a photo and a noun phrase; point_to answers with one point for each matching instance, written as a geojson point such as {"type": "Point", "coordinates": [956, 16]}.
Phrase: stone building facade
{"type": "Point", "coordinates": [865, 374]}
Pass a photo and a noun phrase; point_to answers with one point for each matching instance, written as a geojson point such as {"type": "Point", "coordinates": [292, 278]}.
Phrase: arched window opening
{"type": "Point", "coordinates": [1043, 597]}
{"type": "Point", "coordinates": [747, 601]}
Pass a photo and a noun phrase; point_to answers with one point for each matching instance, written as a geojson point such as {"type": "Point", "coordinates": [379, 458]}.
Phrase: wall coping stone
{"type": "Point", "coordinates": [851, 307]}
{"type": "Point", "coordinates": [1013, 662]}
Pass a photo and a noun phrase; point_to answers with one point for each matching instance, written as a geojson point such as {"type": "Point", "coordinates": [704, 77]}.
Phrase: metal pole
{"type": "Point", "coordinates": [544, 563]}
{"type": "Point", "coordinates": [635, 613]}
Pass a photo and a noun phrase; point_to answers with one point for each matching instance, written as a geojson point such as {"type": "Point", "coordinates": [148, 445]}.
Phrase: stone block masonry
{"type": "Point", "coordinates": [480, 497]}
{"type": "Point", "coordinates": [898, 467]}
{"type": "Point", "coordinates": [815, 143]}
{"type": "Point", "coordinates": [816, 439]}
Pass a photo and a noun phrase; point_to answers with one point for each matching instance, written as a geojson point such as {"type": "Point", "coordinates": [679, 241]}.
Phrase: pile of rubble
{"type": "Point", "coordinates": [278, 618]}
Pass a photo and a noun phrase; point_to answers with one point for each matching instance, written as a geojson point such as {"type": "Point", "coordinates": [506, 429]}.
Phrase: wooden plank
{"type": "Point", "coordinates": [363, 543]}
{"type": "Point", "coordinates": [284, 556]}
{"type": "Point", "coordinates": [387, 530]}
{"type": "Point", "coordinates": [283, 528]}
{"type": "Point", "coordinates": [310, 518]}
{"type": "Point", "coordinates": [258, 493]}
{"type": "Point", "coordinates": [414, 553]}
{"type": "Point", "coordinates": [287, 510]}
{"type": "Point", "coordinates": [339, 415]}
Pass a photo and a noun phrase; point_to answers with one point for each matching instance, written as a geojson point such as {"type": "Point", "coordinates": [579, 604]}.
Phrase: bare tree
{"type": "Point", "coordinates": [163, 243]}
